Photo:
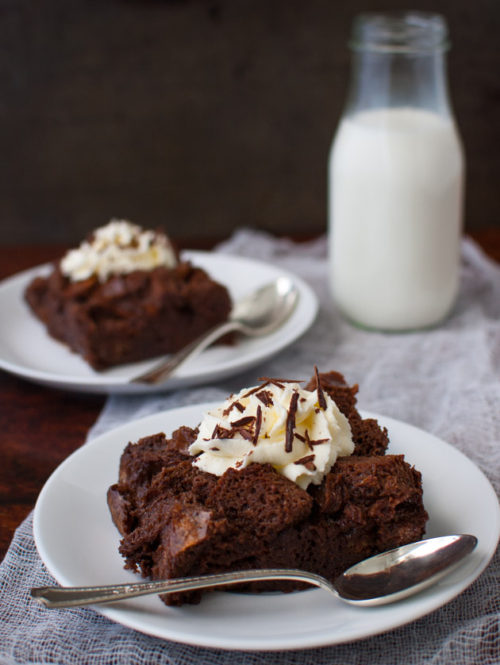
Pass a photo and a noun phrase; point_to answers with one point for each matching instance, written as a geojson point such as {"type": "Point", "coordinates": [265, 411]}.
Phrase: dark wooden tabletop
{"type": "Point", "coordinates": [40, 426]}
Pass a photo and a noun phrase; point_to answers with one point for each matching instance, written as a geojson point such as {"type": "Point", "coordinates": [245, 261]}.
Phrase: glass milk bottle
{"type": "Point", "coordinates": [395, 178]}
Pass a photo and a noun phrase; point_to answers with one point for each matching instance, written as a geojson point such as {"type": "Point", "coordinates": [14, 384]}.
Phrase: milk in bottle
{"type": "Point", "coordinates": [395, 183]}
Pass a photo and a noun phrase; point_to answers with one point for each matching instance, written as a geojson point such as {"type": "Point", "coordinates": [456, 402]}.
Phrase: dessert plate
{"type": "Point", "coordinates": [28, 351]}
{"type": "Point", "coordinates": [78, 543]}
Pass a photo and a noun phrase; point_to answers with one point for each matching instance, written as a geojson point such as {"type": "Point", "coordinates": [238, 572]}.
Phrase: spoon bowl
{"type": "Point", "coordinates": [259, 313]}
{"type": "Point", "coordinates": [403, 571]}
{"type": "Point", "coordinates": [379, 580]}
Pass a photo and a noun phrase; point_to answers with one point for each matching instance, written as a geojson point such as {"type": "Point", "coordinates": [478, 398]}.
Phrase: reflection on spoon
{"type": "Point", "coordinates": [381, 579]}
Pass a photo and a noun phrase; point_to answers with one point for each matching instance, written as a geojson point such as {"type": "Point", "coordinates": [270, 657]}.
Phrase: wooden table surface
{"type": "Point", "coordinates": [40, 426]}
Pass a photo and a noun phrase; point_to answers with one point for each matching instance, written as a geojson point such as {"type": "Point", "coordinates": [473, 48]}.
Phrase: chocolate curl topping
{"type": "Point", "coordinates": [310, 442]}
{"type": "Point", "coordinates": [305, 460]}
{"type": "Point", "coordinates": [290, 422]}
{"type": "Point", "coordinates": [246, 420]}
{"type": "Point", "coordinates": [256, 389]}
{"type": "Point", "coordinates": [222, 433]}
{"type": "Point", "coordinates": [265, 396]}
{"type": "Point", "coordinates": [258, 425]}
{"type": "Point", "coordinates": [244, 433]}
{"type": "Point", "coordinates": [318, 442]}
{"type": "Point", "coordinates": [233, 405]}
{"type": "Point", "coordinates": [277, 382]}
{"type": "Point", "coordinates": [321, 394]}
{"type": "Point", "coordinates": [267, 380]}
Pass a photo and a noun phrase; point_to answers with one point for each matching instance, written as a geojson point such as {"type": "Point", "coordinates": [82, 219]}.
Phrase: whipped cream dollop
{"type": "Point", "coordinates": [119, 247]}
{"type": "Point", "coordinates": [299, 432]}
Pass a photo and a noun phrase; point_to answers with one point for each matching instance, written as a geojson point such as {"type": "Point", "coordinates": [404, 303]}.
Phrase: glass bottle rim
{"type": "Point", "coordinates": [400, 32]}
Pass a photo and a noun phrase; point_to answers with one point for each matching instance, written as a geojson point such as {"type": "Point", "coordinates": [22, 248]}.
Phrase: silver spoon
{"type": "Point", "coordinates": [381, 579]}
{"type": "Point", "coordinates": [259, 313]}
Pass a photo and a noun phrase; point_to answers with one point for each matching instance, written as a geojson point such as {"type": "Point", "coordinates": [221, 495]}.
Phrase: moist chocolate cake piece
{"type": "Point", "coordinates": [177, 520]}
{"type": "Point", "coordinates": [129, 317]}
{"type": "Point", "coordinates": [364, 506]}
{"type": "Point", "coordinates": [369, 438]}
{"type": "Point", "coordinates": [258, 503]}
{"type": "Point", "coordinates": [384, 491]}
{"type": "Point", "coordinates": [145, 464]}
{"type": "Point", "coordinates": [367, 522]}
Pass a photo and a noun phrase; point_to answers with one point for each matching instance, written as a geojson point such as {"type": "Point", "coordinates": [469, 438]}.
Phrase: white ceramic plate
{"type": "Point", "coordinates": [78, 542]}
{"type": "Point", "coordinates": [28, 351]}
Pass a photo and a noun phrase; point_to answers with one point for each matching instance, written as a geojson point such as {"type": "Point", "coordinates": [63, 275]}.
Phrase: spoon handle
{"type": "Point", "coordinates": [165, 367]}
{"type": "Point", "coordinates": [59, 597]}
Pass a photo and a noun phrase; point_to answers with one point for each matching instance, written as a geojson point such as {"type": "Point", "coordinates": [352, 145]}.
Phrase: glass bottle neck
{"type": "Point", "coordinates": [385, 79]}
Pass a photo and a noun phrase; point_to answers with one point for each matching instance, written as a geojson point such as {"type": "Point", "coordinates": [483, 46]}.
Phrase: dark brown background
{"type": "Point", "coordinates": [203, 115]}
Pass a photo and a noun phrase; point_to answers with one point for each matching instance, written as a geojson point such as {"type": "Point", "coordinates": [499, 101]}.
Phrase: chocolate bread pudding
{"type": "Point", "coordinates": [124, 296]}
{"type": "Point", "coordinates": [278, 476]}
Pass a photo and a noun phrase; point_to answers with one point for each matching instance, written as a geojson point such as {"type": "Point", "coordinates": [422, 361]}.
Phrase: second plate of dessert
{"type": "Point", "coordinates": [28, 351]}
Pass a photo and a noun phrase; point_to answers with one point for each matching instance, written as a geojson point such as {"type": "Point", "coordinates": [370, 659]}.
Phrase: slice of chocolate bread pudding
{"type": "Point", "coordinates": [277, 477]}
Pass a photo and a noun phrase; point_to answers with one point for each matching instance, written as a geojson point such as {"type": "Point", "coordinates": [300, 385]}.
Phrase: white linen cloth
{"type": "Point", "coordinates": [445, 380]}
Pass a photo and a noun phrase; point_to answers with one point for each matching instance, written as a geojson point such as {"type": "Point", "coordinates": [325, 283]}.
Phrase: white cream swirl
{"type": "Point", "coordinates": [119, 247]}
{"type": "Point", "coordinates": [299, 432]}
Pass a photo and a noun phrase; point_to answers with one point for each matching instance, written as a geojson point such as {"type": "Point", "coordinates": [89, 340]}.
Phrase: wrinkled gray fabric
{"type": "Point", "coordinates": [446, 381]}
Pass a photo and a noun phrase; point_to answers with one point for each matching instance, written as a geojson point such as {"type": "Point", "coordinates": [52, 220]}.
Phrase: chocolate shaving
{"type": "Point", "coordinates": [321, 394]}
{"type": "Point", "coordinates": [233, 405]}
{"type": "Point", "coordinates": [258, 425]}
{"type": "Point", "coordinates": [240, 427]}
{"type": "Point", "coordinates": [280, 383]}
{"type": "Point", "coordinates": [318, 442]}
{"type": "Point", "coordinates": [277, 383]}
{"type": "Point", "coordinates": [266, 397]}
{"type": "Point", "coordinates": [246, 420]}
{"type": "Point", "coordinates": [267, 380]}
{"type": "Point", "coordinates": [290, 422]}
{"type": "Point", "coordinates": [256, 389]}
{"type": "Point", "coordinates": [244, 433]}
{"type": "Point", "coordinates": [311, 443]}
{"type": "Point", "coordinates": [214, 448]}
{"type": "Point", "coordinates": [305, 460]}
{"type": "Point", "coordinates": [222, 433]}
{"type": "Point", "coordinates": [300, 437]}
